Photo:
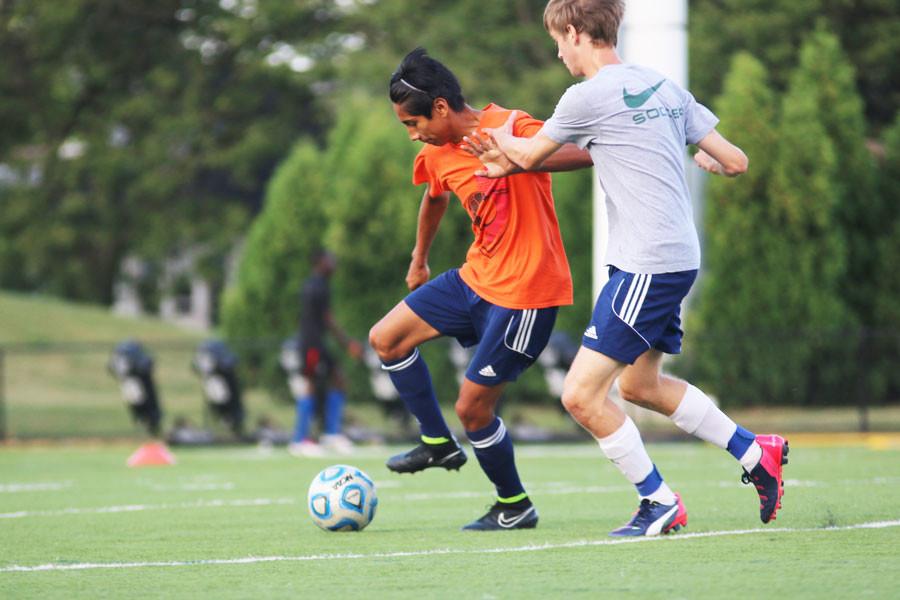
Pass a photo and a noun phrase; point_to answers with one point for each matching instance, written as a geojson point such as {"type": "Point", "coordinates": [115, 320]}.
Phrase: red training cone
{"type": "Point", "coordinates": [151, 454]}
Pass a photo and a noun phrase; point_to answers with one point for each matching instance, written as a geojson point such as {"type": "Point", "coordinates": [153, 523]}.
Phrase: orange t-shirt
{"type": "Point", "coordinates": [517, 259]}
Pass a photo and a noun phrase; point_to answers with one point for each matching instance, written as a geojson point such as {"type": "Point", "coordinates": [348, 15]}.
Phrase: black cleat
{"type": "Point", "coordinates": [521, 515]}
{"type": "Point", "coordinates": [448, 455]}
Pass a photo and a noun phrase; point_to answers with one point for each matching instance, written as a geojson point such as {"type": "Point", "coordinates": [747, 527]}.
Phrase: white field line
{"type": "Point", "coordinates": [557, 488]}
{"type": "Point", "coordinates": [50, 486]}
{"type": "Point", "coordinates": [127, 508]}
{"type": "Point", "coordinates": [191, 487]}
{"type": "Point", "coordinates": [439, 551]}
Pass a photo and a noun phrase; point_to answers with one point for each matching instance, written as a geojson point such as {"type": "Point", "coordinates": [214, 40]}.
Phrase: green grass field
{"type": "Point", "coordinates": [232, 523]}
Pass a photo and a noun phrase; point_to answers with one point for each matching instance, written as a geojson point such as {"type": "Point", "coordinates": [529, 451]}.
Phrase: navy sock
{"type": "Point", "coordinates": [494, 450]}
{"type": "Point", "coordinates": [740, 441]}
{"type": "Point", "coordinates": [304, 417]}
{"type": "Point", "coordinates": [413, 382]}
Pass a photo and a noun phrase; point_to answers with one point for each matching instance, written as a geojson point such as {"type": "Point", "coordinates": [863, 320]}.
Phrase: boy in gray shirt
{"type": "Point", "coordinates": [635, 123]}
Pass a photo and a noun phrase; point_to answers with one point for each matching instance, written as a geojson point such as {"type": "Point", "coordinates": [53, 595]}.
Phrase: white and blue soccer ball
{"type": "Point", "coordinates": [342, 498]}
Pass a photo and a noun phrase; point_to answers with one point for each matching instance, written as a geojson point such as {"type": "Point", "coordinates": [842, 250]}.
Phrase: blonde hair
{"type": "Point", "coordinates": [600, 19]}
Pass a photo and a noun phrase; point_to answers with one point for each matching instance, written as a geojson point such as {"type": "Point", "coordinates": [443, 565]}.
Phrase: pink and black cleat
{"type": "Point", "coordinates": [766, 475]}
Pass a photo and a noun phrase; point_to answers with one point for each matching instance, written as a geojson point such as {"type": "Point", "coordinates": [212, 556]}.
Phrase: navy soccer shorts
{"type": "Point", "coordinates": [509, 340]}
{"type": "Point", "coordinates": [636, 312]}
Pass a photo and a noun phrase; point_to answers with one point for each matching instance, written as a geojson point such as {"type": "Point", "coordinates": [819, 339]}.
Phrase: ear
{"type": "Point", "coordinates": [571, 33]}
{"type": "Point", "coordinates": [440, 107]}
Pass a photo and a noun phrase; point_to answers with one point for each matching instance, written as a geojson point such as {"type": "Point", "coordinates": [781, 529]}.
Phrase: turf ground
{"type": "Point", "coordinates": [232, 523]}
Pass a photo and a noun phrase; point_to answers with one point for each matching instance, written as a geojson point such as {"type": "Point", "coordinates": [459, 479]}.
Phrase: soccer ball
{"type": "Point", "coordinates": [342, 498]}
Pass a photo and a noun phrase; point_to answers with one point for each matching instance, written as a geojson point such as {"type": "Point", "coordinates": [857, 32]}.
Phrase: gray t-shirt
{"type": "Point", "coordinates": [636, 123]}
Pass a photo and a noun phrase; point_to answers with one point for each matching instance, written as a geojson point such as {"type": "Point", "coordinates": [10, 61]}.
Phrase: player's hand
{"type": "Point", "coordinates": [484, 148]}
{"type": "Point", "coordinates": [355, 349]}
{"type": "Point", "coordinates": [418, 274]}
{"type": "Point", "coordinates": [708, 163]}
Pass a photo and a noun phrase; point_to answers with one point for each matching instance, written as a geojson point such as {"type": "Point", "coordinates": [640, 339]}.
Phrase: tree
{"type": "Point", "coordinates": [774, 31]}
{"type": "Point", "coordinates": [860, 209]}
{"type": "Point", "coordinates": [736, 289]}
{"type": "Point", "coordinates": [372, 210]}
{"type": "Point", "coordinates": [147, 127]}
{"type": "Point", "coordinates": [885, 331]}
{"type": "Point", "coordinates": [808, 259]}
{"type": "Point", "coordinates": [263, 302]}
{"type": "Point", "coordinates": [513, 62]}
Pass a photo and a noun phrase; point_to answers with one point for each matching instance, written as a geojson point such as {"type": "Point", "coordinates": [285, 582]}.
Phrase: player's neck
{"type": "Point", "coordinates": [598, 57]}
{"type": "Point", "coordinates": [465, 123]}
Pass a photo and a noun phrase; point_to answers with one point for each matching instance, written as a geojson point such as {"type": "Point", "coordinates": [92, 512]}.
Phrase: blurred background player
{"type": "Point", "coordinates": [322, 383]}
{"type": "Point", "coordinates": [636, 123]}
{"type": "Point", "coordinates": [504, 298]}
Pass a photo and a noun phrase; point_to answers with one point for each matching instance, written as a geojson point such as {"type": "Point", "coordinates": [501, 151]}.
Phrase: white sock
{"type": "Point", "coordinates": [663, 495]}
{"type": "Point", "coordinates": [751, 457]}
{"type": "Point", "coordinates": [625, 448]}
{"type": "Point", "coordinates": [698, 416]}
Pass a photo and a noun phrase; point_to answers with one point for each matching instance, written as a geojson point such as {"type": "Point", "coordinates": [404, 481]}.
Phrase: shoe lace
{"type": "Point", "coordinates": [643, 512]}
{"type": "Point", "coordinates": [745, 478]}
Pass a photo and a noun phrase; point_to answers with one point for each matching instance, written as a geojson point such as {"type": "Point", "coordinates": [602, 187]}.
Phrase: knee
{"type": "Point", "coordinates": [376, 339]}
{"type": "Point", "coordinates": [637, 392]}
{"type": "Point", "coordinates": [631, 391]}
{"type": "Point", "coordinates": [385, 346]}
{"type": "Point", "coordinates": [580, 401]}
{"type": "Point", "coordinates": [473, 415]}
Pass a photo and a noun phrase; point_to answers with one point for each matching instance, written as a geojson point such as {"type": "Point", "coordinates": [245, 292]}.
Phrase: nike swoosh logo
{"type": "Point", "coordinates": [502, 521]}
{"type": "Point", "coordinates": [637, 100]}
{"type": "Point", "coordinates": [448, 457]}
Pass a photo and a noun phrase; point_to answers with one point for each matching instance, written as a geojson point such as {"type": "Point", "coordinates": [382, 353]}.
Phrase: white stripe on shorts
{"type": "Point", "coordinates": [628, 297]}
{"type": "Point", "coordinates": [525, 326]}
{"type": "Point", "coordinates": [639, 302]}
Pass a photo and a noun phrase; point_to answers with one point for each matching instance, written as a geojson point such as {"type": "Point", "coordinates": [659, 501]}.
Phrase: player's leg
{"type": "Point", "coordinates": [511, 340]}
{"type": "Point", "coordinates": [586, 398]}
{"type": "Point", "coordinates": [644, 384]}
{"type": "Point", "coordinates": [301, 439]}
{"type": "Point", "coordinates": [493, 448]}
{"type": "Point", "coordinates": [302, 443]}
{"type": "Point", "coordinates": [761, 457]}
{"type": "Point", "coordinates": [396, 338]}
{"type": "Point", "coordinates": [608, 345]}
{"type": "Point", "coordinates": [332, 432]}
{"type": "Point", "coordinates": [430, 311]}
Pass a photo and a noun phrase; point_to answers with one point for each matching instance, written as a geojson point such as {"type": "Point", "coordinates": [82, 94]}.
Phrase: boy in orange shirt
{"type": "Point", "coordinates": [504, 298]}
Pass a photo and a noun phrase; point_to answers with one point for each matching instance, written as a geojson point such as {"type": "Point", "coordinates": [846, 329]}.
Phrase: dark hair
{"type": "Point", "coordinates": [419, 80]}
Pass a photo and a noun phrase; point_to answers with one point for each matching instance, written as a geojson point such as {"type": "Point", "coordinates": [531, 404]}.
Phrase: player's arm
{"type": "Point", "coordinates": [569, 157]}
{"type": "Point", "coordinates": [431, 211]}
{"type": "Point", "coordinates": [718, 155]}
{"type": "Point", "coordinates": [528, 153]}
{"type": "Point", "coordinates": [354, 348]}
{"type": "Point", "coordinates": [497, 163]}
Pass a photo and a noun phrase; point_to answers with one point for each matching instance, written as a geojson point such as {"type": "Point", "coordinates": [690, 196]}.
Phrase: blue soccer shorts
{"type": "Point", "coordinates": [636, 312]}
{"type": "Point", "coordinates": [509, 340]}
